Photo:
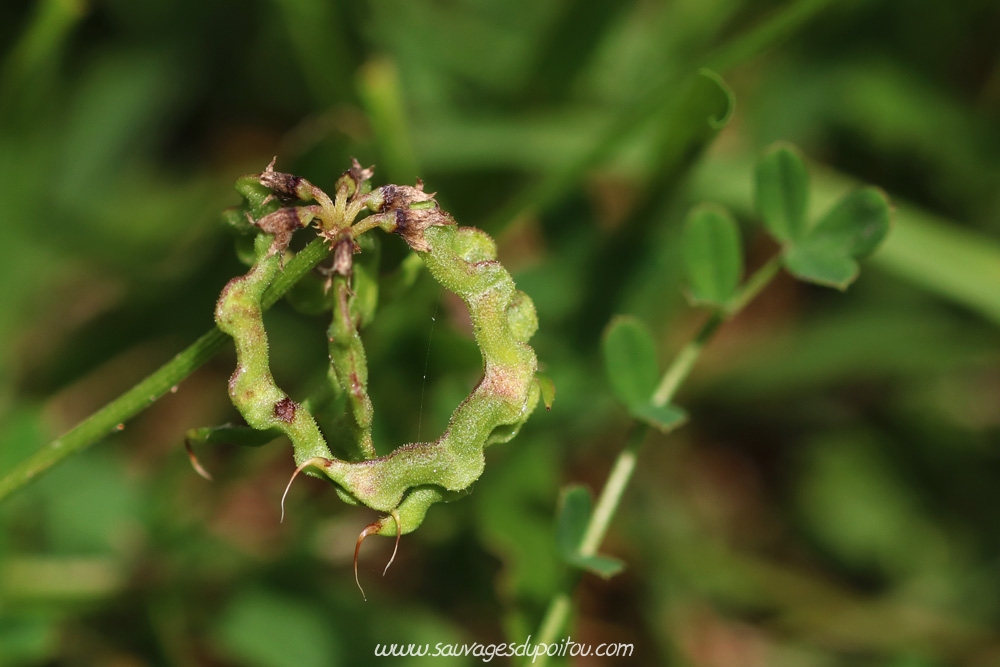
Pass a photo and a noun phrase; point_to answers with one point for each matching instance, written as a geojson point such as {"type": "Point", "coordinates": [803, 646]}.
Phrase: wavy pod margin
{"type": "Point", "coordinates": [463, 260]}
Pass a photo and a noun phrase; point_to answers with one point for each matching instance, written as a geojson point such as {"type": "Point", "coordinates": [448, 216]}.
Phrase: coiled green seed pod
{"type": "Point", "coordinates": [406, 482]}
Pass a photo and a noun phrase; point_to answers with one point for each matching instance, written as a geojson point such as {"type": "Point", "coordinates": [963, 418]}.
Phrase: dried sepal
{"type": "Point", "coordinates": [281, 224]}
{"type": "Point", "coordinates": [355, 181]}
{"type": "Point", "coordinates": [408, 211]}
{"type": "Point", "coordinates": [288, 187]}
{"type": "Point", "coordinates": [411, 223]}
{"type": "Point", "coordinates": [392, 197]}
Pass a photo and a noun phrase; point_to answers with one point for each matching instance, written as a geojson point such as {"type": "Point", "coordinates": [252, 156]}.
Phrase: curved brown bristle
{"type": "Point", "coordinates": [399, 533]}
{"type": "Point", "coordinates": [370, 529]}
{"type": "Point", "coordinates": [315, 461]}
{"type": "Point", "coordinates": [194, 461]}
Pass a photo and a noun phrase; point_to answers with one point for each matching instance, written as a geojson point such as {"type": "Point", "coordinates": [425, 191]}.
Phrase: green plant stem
{"type": "Point", "coordinates": [685, 360]}
{"type": "Point", "coordinates": [760, 279]}
{"type": "Point", "coordinates": [781, 24]}
{"type": "Point", "coordinates": [112, 417]}
{"type": "Point", "coordinates": [555, 616]}
{"type": "Point", "coordinates": [614, 489]}
{"type": "Point", "coordinates": [303, 262]}
{"type": "Point", "coordinates": [618, 480]}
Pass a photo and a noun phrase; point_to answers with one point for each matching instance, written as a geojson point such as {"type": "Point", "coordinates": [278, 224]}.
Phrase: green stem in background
{"type": "Point", "coordinates": [621, 471]}
{"type": "Point", "coordinates": [35, 56]}
{"type": "Point", "coordinates": [111, 417]}
{"type": "Point", "coordinates": [381, 93]}
{"type": "Point", "coordinates": [779, 25]}
{"type": "Point", "coordinates": [547, 189]}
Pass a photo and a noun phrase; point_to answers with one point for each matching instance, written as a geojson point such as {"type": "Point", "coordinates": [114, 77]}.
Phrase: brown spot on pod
{"type": "Point", "coordinates": [506, 383]}
{"type": "Point", "coordinates": [285, 410]}
{"type": "Point", "coordinates": [357, 388]}
{"type": "Point", "coordinates": [234, 378]}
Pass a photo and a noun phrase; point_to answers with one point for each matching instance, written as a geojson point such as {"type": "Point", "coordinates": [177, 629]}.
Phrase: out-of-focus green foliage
{"type": "Point", "coordinates": [831, 499]}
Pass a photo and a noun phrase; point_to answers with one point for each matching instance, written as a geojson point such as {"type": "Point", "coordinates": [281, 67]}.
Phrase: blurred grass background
{"type": "Point", "coordinates": [833, 500]}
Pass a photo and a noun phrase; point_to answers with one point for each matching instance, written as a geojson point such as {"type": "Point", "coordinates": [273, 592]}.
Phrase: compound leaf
{"type": "Point", "coordinates": [851, 230]}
